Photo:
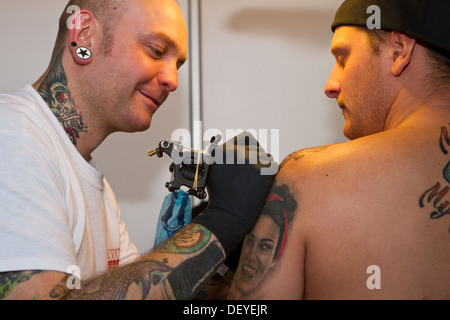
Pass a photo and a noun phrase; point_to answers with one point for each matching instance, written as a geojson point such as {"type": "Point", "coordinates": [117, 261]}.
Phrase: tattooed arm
{"type": "Point", "coordinates": [177, 269]}
{"type": "Point", "coordinates": [259, 273]}
{"type": "Point", "coordinates": [272, 260]}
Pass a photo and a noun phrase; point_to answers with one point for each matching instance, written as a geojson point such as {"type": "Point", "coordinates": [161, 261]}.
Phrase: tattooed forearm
{"type": "Point", "coordinates": [264, 246]}
{"type": "Point", "coordinates": [176, 269]}
{"type": "Point", "coordinates": [116, 284]}
{"type": "Point", "coordinates": [9, 280]}
{"type": "Point", "coordinates": [192, 274]}
{"type": "Point", "coordinates": [55, 92]}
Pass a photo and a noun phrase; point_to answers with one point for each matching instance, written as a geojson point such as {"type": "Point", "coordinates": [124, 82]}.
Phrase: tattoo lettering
{"type": "Point", "coordinates": [264, 246]}
{"type": "Point", "coordinates": [55, 92]}
{"type": "Point", "coordinates": [9, 280]}
{"type": "Point", "coordinates": [444, 141]}
{"type": "Point", "coordinates": [436, 195]}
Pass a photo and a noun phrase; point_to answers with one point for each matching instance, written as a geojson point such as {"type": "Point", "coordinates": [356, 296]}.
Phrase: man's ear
{"type": "Point", "coordinates": [401, 50]}
{"type": "Point", "coordinates": [81, 36]}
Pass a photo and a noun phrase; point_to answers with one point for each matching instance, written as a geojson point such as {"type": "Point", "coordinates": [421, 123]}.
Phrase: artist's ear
{"type": "Point", "coordinates": [401, 50]}
{"type": "Point", "coordinates": [82, 40]}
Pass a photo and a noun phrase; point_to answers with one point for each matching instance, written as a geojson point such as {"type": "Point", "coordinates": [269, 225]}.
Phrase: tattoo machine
{"type": "Point", "coordinates": [190, 168]}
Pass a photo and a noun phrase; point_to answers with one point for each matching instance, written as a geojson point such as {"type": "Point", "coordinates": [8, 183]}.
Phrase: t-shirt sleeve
{"type": "Point", "coordinates": [34, 226]}
{"type": "Point", "coordinates": [128, 251]}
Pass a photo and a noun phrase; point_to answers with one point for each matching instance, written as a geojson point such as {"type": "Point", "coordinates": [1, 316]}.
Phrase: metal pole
{"type": "Point", "coordinates": [195, 55]}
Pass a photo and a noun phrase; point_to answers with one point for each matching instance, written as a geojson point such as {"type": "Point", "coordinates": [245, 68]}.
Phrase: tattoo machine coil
{"type": "Point", "coordinates": [190, 168]}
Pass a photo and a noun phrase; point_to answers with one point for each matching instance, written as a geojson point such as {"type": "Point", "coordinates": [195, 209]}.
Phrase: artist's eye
{"type": "Point", "coordinates": [156, 52]}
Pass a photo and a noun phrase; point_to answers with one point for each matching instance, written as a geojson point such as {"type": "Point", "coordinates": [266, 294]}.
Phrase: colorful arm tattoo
{"type": "Point", "coordinates": [9, 280]}
{"type": "Point", "coordinates": [55, 92]}
{"type": "Point", "coordinates": [156, 277]}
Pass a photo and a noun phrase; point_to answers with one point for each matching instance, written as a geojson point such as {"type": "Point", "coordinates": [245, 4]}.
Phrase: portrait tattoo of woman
{"type": "Point", "coordinates": [264, 245]}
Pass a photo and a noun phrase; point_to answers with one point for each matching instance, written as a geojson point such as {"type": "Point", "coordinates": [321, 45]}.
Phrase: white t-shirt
{"type": "Point", "coordinates": [57, 211]}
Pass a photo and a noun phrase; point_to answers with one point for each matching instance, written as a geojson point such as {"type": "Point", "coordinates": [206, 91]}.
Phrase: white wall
{"type": "Point", "coordinates": [264, 66]}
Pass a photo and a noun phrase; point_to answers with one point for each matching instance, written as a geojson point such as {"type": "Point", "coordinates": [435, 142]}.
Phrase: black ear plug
{"type": "Point", "coordinates": [73, 44]}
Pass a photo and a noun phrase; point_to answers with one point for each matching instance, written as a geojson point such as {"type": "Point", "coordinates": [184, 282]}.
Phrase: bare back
{"type": "Point", "coordinates": [372, 219]}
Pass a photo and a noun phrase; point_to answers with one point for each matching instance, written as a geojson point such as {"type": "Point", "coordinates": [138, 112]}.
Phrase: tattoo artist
{"type": "Point", "coordinates": [114, 64]}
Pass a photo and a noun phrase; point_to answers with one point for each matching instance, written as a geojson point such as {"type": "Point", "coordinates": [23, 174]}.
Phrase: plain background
{"type": "Point", "coordinates": [264, 67]}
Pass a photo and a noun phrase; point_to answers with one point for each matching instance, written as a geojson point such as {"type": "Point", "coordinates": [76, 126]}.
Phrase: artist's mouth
{"type": "Point", "coordinates": [151, 99]}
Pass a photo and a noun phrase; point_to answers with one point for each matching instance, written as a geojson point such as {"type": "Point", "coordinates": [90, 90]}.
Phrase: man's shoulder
{"type": "Point", "coordinates": [359, 167]}
{"type": "Point", "coordinates": [311, 160]}
{"type": "Point", "coordinates": [303, 153]}
{"type": "Point", "coordinates": [18, 110]}
{"type": "Point", "coordinates": [379, 149]}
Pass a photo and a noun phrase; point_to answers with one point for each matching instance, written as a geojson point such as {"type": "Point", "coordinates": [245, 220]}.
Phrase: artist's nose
{"type": "Point", "coordinates": [168, 78]}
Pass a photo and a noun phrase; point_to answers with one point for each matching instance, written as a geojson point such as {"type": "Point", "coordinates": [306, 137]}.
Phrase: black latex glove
{"type": "Point", "coordinates": [238, 187]}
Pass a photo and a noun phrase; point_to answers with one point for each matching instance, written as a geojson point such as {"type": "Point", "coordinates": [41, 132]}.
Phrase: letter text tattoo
{"type": "Point", "coordinates": [437, 195]}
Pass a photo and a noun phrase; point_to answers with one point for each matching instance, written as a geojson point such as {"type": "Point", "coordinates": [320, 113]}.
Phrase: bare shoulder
{"type": "Point", "coordinates": [341, 217]}
{"type": "Point", "coordinates": [30, 285]}
{"type": "Point", "coordinates": [402, 156]}
{"type": "Point", "coordinates": [379, 201]}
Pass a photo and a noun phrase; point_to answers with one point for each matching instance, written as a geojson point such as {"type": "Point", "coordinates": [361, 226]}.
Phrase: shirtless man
{"type": "Point", "coordinates": [369, 218]}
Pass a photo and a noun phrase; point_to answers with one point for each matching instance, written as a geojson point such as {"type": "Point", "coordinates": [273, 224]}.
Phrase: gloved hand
{"type": "Point", "coordinates": [237, 190]}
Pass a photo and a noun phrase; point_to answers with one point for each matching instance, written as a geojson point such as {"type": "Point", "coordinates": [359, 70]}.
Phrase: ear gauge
{"type": "Point", "coordinates": [81, 55]}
